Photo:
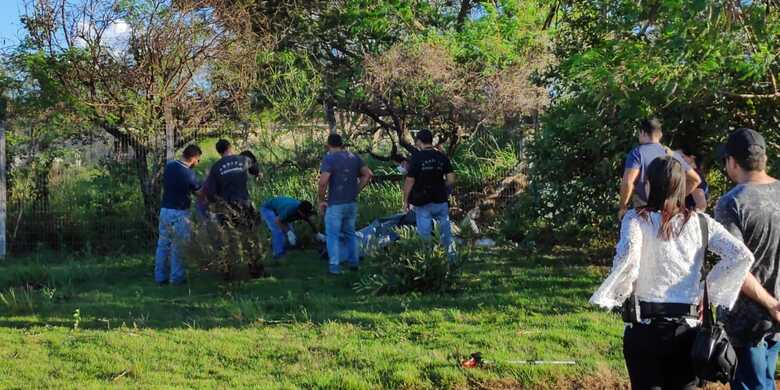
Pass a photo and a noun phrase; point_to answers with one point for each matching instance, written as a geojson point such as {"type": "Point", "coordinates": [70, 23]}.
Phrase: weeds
{"type": "Point", "coordinates": [18, 300]}
{"type": "Point", "coordinates": [410, 265]}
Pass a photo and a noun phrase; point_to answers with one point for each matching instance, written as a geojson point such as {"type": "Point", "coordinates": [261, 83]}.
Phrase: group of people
{"type": "Point", "coordinates": [343, 175]}
{"type": "Point", "coordinates": [659, 263]}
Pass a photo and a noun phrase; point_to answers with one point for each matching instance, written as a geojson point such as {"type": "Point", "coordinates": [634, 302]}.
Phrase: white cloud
{"type": "Point", "coordinates": [115, 37]}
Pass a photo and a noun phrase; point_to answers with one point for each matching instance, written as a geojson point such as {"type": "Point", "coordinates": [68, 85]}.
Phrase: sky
{"type": "Point", "coordinates": [10, 27]}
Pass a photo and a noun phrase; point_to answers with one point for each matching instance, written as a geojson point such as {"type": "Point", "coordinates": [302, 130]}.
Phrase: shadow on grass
{"type": "Point", "coordinates": [113, 292]}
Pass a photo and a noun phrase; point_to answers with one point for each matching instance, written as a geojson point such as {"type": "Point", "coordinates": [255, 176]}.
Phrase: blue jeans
{"type": "Point", "coordinates": [174, 229]}
{"type": "Point", "coordinates": [441, 213]}
{"type": "Point", "coordinates": [278, 237]}
{"type": "Point", "coordinates": [756, 368]}
{"type": "Point", "coordinates": [340, 221]}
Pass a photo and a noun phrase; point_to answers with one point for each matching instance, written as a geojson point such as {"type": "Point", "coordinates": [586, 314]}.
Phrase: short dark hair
{"type": "Point", "coordinates": [222, 146]}
{"type": "Point", "coordinates": [306, 208]}
{"type": "Point", "coordinates": [755, 160]}
{"type": "Point", "coordinates": [191, 151]}
{"type": "Point", "coordinates": [650, 125]}
{"type": "Point", "coordinates": [425, 136]}
{"type": "Point", "coordinates": [335, 140]}
{"type": "Point", "coordinates": [249, 155]}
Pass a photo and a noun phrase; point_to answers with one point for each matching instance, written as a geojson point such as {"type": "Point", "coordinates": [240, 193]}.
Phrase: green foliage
{"type": "Point", "coordinates": [17, 301]}
{"type": "Point", "coordinates": [695, 65]}
{"type": "Point", "coordinates": [226, 246]}
{"type": "Point", "coordinates": [410, 264]}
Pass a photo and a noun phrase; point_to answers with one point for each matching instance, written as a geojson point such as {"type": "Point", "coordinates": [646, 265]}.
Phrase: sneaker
{"type": "Point", "coordinates": [163, 283]}
{"type": "Point", "coordinates": [179, 282]}
{"type": "Point", "coordinates": [334, 271]}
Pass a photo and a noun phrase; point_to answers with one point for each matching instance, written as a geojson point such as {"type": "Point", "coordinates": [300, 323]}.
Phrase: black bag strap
{"type": "Point", "coordinates": [705, 237]}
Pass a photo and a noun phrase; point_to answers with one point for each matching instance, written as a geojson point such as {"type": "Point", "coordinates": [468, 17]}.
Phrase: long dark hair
{"type": "Point", "coordinates": [667, 194]}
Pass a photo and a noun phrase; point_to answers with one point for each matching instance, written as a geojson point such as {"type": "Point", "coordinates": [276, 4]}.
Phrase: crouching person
{"type": "Point", "coordinates": [179, 182]}
{"type": "Point", "coordinates": [657, 268]}
{"type": "Point", "coordinates": [279, 213]}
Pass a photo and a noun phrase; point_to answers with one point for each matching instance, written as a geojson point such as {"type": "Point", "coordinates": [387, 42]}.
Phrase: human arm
{"type": "Point", "coordinates": [408, 185]}
{"type": "Point", "coordinates": [322, 190]}
{"type": "Point", "coordinates": [692, 181]}
{"type": "Point", "coordinates": [365, 177]}
{"type": "Point", "coordinates": [700, 199]}
{"type": "Point", "coordinates": [625, 266]}
{"type": "Point", "coordinates": [753, 289]}
{"type": "Point", "coordinates": [627, 189]}
{"type": "Point", "coordinates": [726, 278]}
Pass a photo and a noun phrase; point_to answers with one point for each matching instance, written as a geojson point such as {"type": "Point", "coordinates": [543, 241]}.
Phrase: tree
{"type": "Point", "coordinates": [419, 64]}
{"type": "Point", "coordinates": [152, 73]}
{"type": "Point", "coordinates": [703, 67]}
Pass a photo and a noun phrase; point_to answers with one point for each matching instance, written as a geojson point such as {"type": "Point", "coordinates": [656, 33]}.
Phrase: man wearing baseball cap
{"type": "Point", "coordinates": [751, 212]}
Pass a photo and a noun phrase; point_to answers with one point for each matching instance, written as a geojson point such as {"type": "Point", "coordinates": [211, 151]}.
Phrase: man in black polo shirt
{"type": "Point", "coordinates": [179, 181]}
{"type": "Point", "coordinates": [426, 190]}
{"type": "Point", "coordinates": [228, 178]}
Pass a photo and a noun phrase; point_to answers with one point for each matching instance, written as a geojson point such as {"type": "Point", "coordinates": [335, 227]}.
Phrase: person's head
{"type": "Point", "coordinates": [666, 179]}
{"type": "Point", "coordinates": [305, 210]}
{"type": "Point", "coordinates": [335, 142]}
{"type": "Point", "coordinates": [744, 153]}
{"type": "Point", "coordinates": [253, 168]}
{"type": "Point", "coordinates": [224, 148]}
{"type": "Point", "coordinates": [401, 162]}
{"type": "Point", "coordinates": [191, 155]}
{"type": "Point", "coordinates": [650, 130]}
{"type": "Point", "coordinates": [691, 156]}
{"type": "Point", "coordinates": [424, 137]}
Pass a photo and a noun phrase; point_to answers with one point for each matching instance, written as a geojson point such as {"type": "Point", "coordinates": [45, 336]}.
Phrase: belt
{"type": "Point", "coordinates": [667, 310]}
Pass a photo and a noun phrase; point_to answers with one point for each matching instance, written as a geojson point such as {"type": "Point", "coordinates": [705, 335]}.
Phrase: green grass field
{"type": "Point", "coordinates": [89, 322]}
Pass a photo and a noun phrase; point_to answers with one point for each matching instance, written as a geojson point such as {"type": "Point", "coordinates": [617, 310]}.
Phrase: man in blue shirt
{"type": "Point", "coordinates": [179, 181]}
{"type": "Point", "coordinates": [342, 176]}
{"type": "Point", "coordinates": [278, 213]}
{"type": "Point", "coordinates": [633, 189]}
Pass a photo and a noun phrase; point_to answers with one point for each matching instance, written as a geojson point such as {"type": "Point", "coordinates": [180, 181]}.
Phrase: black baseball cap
{"type": "Point", "coordinates": [425, 136]}
{"type": "Point", "coordinates": [739, 143]}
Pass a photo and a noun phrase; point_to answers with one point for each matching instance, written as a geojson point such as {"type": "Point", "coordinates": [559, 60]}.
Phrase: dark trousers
{"type": "Point", "coordinates": [658, 355]}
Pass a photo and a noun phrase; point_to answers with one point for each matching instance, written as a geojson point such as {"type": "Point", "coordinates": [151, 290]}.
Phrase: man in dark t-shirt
{"type": "Point", "coordinates": [179, 182]}
{"type": "Point", "coordinates": [633, 188]}
{"type": "Point", "coordinates": [751, 212]}
{"type": "Point", "coordinates": [229, 176]}
{"type": "Point", "coordinates": [426, 189]}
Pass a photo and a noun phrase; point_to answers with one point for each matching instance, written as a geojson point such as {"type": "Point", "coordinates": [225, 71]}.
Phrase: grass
{"type": "Point", "coordinates": [101, 321]}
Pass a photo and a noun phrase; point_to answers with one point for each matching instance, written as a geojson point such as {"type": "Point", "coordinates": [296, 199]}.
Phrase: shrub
{"type": "Point", "coordinates": [410, 265]}
{"type": "Point", "coordinates": [226, 242]}
{"type": "Point", "coordinates": [18, 300]}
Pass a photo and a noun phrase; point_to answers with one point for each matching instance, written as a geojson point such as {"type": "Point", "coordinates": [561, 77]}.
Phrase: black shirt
{"type": "Point", "coordinates": [429, 168]}
{"type": "Point", "coordinates": [228, 178]}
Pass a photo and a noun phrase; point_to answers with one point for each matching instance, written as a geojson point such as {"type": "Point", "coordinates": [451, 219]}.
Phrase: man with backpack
{"type": "Point", "coordinates": [426, 190]}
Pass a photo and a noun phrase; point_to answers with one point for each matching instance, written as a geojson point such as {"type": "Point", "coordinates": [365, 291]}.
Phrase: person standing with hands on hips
{"type": "Point", "coordinates": [426, 189]}
{"type": "Point", "coordinates": [342, 176]}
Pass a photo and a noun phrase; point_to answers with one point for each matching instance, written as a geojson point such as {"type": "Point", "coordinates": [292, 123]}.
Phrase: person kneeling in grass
{"type": "Point", "coordinates": [278, 213]}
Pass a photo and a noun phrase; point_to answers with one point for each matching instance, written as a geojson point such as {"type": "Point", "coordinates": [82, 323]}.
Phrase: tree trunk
{"type": "Point", "coordinates": [330, 116]}
{"type": "Point", "coordinates": [170, 148]}
{"type": "Point", "coordinates": [150, 188]}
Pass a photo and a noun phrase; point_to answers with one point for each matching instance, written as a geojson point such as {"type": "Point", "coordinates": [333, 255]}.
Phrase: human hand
{"type": "Point", "coordinates": [323, 206]}
{"type": "Point", "coordinates": [407, 207]}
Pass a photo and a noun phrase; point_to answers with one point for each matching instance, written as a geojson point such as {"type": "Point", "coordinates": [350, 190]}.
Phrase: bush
{"type": "Point", "coordinates": [410, 265]}
{"type": "Point", "coordinates": [225, 246]}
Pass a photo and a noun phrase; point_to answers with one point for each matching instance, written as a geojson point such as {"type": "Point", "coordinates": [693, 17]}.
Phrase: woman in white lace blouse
{"type": "Point", "coordinates": [659, 260]}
